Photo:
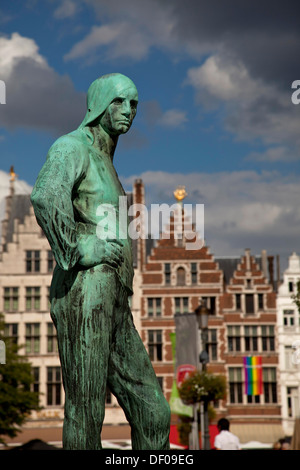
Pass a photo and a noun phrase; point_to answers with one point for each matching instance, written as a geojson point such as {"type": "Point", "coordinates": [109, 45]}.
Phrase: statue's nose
{"type": "Point", "coordinates": [126, 108]}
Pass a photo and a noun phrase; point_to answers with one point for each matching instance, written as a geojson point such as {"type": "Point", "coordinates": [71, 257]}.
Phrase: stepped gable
{"type": "Point", "coordinates": [248, 272]}
{"type": "Point", "coordinates": [172, 250]}
{"type": "Point", "coordinates": [247, 279]}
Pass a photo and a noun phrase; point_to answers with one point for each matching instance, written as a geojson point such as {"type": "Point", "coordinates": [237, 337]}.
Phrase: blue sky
{"type": "Point", "coordinates": [215, 111]}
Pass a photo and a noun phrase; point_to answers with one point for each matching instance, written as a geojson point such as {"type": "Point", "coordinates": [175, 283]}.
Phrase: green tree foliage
{"type": "Point", "coordinates": [196, 388]}
{"type": "Point", "coordinates": [202, 386]}
{"type": "Point", "coordinates": [16, 398]}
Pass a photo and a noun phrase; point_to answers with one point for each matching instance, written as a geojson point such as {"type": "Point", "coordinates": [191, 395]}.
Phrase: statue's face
{"type": "Point", "coordinates": [120, 113]}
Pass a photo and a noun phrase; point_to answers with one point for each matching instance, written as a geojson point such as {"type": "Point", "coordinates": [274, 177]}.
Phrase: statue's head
{"type": "Point", "coordinates": [111, 100]}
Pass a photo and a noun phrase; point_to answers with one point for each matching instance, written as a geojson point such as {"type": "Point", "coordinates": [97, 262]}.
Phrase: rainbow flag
{"type": "Point", "coordinates": [253, 375]}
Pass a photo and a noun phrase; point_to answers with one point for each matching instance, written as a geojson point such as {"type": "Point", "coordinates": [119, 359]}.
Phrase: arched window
{"type": "Point", "coordinates": [180, 274]}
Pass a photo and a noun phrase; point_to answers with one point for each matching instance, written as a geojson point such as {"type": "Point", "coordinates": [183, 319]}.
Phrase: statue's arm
{"type": "Point", "coordinates": [52, 201]}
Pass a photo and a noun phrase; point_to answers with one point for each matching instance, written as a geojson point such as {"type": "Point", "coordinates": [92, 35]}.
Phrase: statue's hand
{"type": "Point", "coordinates": [97, 251]}
{"type": "Point", "coordinates": [112, 252]}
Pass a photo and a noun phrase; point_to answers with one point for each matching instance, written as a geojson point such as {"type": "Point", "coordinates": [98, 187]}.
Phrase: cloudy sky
{"type": "Point", "coordinates": [215, 110]}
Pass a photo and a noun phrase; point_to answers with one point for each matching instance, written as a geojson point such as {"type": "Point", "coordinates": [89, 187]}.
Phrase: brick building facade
{"type": "Point", "coordinates": [241, 296]}
{"type": "Point", "coordinates": [169, 280]}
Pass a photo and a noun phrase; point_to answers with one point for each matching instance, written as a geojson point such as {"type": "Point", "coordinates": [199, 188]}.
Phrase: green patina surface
{"type": "Point", "coordinates": [99, 345]}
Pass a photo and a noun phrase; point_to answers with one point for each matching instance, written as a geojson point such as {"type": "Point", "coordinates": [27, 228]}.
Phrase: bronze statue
{"type": "Point", "coordinates": [99, 345]}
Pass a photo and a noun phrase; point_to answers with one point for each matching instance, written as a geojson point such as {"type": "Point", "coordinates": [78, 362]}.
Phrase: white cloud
{"type": "Point", "coordinates": [225, 81]}
{"type": "Point", "coordinates": [242, 209]}
{"type": "Point", "coordinates": [246, 80]}
{"type": "Point", "coordinates": [15, 49]}
{"type": "Point", "coordinates": [274, 154]}
{"type": "Point", "coordinates": [154, 115]}
{"type": "Point", "coordinates": [36, 95]}
{"type": "Point", "coordinates": [122, 39]}
{"type": "Point", "coordinates": [66, 9]}
{"type": "Point", "coordinates": [252, 108]}
{"type": "Point", "coordinates": [21, 186]}
{"type": "Point", "coordinates": [126, 30]}
{"type": "Point", "coordinates": [173, 118]}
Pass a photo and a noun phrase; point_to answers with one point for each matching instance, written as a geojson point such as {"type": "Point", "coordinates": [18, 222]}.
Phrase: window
{"type": "Point", "coordinates": [108, 397]}
{"type": "Point", "coordinates": [235, 385]}
{"type": "Point", "coordinates": [51, 261]}
{"type": "Point", "coordinates": [234, 338]}
{"type": "Point", "coordinates": [32, 338]}
{"type": "Point", "coordinates": [181, 304]}
{"type": "Point", "coordinates": [249, 304]}
{"type": "Point", "coordinates": [210, 303]}
{"type": "Point", "coordinates": [53, 386]}
{"type": "Point", "coordinates": [33, 298]}
{"type": "Point", "coordinates": [48, 297]}
{"type": "Point", "coordinates": [11, 299]}
{"type": "Point", "coordinates": [270, 385]}
{"type": "Point", "coordinates": [291, 286]}
{"type": "Point", "coordinates": [155, 345]}
{"type": "Point", "coordinates": [161, 382]}
{"type": "Point", "coordinates": [154, 307]}
{"type": "Point", "coordinates": [238, 304]}
{"type": "Point", "coordinates": [251, 338]}
{"type": "Point", "coordinates": [253, 398]}
{"type": "Point", "coordinates": [292, 394]}
{"type": "Point", "coordinates": [11, 332]}
{"type": "Point", "coordinates": [268, 338]}
{"type": "Point", "coordinates": [32, 261]}
{"type": "Point", "coordinates": [180, 277]}
{"type": "Point", "coordinates": [167, 273]}
{"type": "Point", "coordinates": [194, 273]}
{"type": "Point", "coordinates": [248, 283]}
{"type": "Point", "coordinates": [288, 318]}
{"type": "Point", "coordinates": [51, 339]}
{"type": "Point", "coordinates": [211, 345]}
{"type": "Point", "coordinates": [260, 301]}
{"type": "Point", "coordinates": [35, 386]}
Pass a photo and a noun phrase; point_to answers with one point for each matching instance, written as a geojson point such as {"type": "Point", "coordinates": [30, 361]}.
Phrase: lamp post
{"type": "Point", "coordinates": [202, 315]}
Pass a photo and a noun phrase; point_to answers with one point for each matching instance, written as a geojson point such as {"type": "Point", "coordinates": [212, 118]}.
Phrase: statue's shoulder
{"type": "Point", "coordinates": [71, 151]}
{"type": "Point", "coordinates": [74, 143]}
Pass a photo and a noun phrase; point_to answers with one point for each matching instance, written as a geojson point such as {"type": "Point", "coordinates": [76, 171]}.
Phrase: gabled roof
{"type": "Point", "coordinates": [230, 264]}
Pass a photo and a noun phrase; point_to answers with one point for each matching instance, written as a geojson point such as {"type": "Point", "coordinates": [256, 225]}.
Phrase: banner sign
{"type": "Point", "coordinates": [183, 372]}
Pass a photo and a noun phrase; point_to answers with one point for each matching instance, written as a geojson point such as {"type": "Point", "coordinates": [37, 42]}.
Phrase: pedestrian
{"type": "Point", "coordinates": [226, 440]}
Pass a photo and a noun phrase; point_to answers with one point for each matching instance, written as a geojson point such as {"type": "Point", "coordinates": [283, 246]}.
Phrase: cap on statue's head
{"type": "Point", "coordinates": [102, 92]}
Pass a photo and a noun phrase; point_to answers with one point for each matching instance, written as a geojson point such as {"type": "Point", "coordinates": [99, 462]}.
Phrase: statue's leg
{"type": "Point", "coordinates": [133, 381]}
{"type": "Point", "coordinates": [84, 328]}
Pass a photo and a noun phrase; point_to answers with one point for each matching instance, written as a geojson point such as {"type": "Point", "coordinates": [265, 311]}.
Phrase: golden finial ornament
{"type": "Point", "coordinates": [12, 174]}
{"type": "Point", "coordinates": [180, 193]}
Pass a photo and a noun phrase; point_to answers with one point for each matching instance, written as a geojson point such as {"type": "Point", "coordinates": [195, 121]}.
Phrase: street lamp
{"type": "Point", "coordinates": [202, 315]}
